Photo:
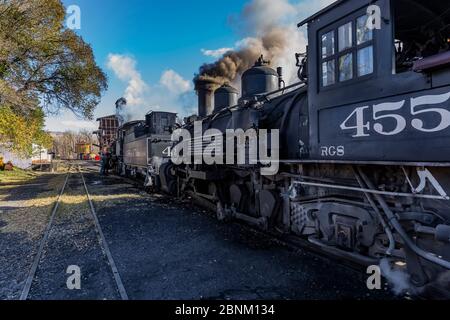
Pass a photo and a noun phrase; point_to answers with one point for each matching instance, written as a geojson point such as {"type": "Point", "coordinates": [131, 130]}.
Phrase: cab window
{"type": "Point", "coordinates": [347, 52]}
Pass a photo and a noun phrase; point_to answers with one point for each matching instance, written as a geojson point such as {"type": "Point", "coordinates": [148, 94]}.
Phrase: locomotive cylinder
{"type": "Point", "coordinates": [224, 97]}
{"type": "Point", "coordinates": [205, 91]}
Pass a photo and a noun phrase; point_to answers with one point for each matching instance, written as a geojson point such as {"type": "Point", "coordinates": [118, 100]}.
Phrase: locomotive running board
{"type": "Point", "coordinates": [377, 163]}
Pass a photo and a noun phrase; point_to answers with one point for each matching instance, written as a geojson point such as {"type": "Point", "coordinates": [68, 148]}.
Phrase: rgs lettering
{"type": "Point", "coordinates": [333, 151]}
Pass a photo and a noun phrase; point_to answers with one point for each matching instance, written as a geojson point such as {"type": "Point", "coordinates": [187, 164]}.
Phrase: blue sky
{"type": "Point", "coordinates": [154, 37]}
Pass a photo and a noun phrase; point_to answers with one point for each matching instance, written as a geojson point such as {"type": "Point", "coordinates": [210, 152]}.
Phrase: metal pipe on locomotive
{"type": "Point", "coordinates": [364, 168]}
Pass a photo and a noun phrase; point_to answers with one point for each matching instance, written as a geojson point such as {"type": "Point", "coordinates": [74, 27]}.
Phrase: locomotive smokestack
{"type": "Point", "coordinates": [224, 97]}
{"type": "Point", "coordinates": [205, 90]}
{"type": "Point", "coordinates": [121, 112]}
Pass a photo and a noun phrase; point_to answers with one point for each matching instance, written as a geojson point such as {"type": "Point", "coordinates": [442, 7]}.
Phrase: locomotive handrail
{"type": "Point", "coordinates": [258, 99]}
{"type": "Point", "coordinates": [297, 84]}
{"type": "Point", "coordinates": [372, 191]}
{"type": "Point", "coordinates": [433, 62]}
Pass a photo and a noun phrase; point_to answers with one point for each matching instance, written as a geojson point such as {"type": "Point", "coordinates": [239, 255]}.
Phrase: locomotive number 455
{"type": "Point", "coordinates": [425, 117]}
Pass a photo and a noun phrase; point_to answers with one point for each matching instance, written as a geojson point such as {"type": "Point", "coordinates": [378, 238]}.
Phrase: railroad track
{"type": "Point", "coordinates": [103, 243]}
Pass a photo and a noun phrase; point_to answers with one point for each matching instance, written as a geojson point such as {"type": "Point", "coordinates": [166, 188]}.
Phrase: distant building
{"type": "Point", "coordinates": [40, 155]}
{"type": "Point", "coordinates": [83, 148]}
{"type": "Point", "coordinates": [84, 151]}
{"type": "Point", "coordinates": [107, 131]}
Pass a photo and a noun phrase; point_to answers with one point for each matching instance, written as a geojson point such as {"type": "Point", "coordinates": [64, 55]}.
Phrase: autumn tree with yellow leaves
{"type": "Point", "coordinates": [19, 132]}
{"type": "Point", "coordinates": [44, 68]}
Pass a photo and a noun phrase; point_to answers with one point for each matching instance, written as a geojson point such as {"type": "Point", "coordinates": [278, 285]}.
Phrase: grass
{"type": "Point", "coordinates": [17, 175]}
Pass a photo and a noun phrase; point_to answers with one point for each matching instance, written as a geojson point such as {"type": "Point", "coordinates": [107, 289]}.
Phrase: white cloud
{"type": "Point", "coordinates": [124, 68]}
{"type": "Point", "coordinates": [174, 82]}
{"type": "Point", "coordinates": [216, 53]}
{"type": "Point", "coordinates": [259, 15]}
{"type": "Point", "coordinates": [172, 93]}
{"type": "Point", "coordinates": [67, 121]}
{"type": "Point", "coordinates": [305, 8]}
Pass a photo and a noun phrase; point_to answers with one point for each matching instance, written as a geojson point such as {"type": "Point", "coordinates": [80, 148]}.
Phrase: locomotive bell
{"type": "Point", "coordinates": [259, 79]}
{"type": "Point", "coordinates": [224, 97]}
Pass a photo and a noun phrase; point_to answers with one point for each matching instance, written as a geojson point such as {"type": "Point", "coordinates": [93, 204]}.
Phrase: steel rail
{"type": "Point", "coordinates": [104, 243]}
{"type": "Point", "coordinates": [37, 258]}
{"type": "Point", "coordinates": [29, 281]}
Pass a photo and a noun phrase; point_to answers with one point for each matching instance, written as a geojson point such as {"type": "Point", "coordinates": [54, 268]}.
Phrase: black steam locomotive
{"type": "Point", "coordinates": [364, 169]}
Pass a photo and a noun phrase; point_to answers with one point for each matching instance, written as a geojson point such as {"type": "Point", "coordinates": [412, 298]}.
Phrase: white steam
{"type": "Point", "coordinates": [398, 280]}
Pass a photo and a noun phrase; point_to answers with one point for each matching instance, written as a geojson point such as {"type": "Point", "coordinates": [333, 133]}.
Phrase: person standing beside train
{"type": "Point", "coordinates": [104, 163]}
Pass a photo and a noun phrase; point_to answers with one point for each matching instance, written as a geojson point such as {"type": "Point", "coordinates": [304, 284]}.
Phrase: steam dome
{"type": "Point", "coordinates": [259, 79]}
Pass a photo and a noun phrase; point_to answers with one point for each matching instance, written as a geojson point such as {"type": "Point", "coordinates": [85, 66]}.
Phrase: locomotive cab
{"type": "Point", "coordinates": [379, 81]}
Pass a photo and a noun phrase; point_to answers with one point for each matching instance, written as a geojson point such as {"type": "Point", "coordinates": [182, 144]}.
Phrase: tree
{"type": "Point", "coordinates": [20, 132]}
{"type": "Point", "coordinates": [42, 60]}
{"type": "Point", "coordinates": [43, 65]}
{"type": "Point", "coordinates": [64, 145]}
{"type": "Point", "coordinates": [86, 136]}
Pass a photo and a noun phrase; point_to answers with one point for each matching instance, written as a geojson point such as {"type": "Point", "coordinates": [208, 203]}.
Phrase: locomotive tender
{"type": "Point", "coordinates": [140, 145]}
{"type": "Point", "coordinates": [364, 170]}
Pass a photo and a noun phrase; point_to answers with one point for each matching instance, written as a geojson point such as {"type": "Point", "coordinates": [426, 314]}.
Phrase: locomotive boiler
{"type": "Point", "coordinates": [364, 140]}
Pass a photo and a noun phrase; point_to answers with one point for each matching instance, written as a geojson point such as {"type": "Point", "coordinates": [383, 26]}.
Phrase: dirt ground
{"type": "Point", "coordinates": [25, 208]}
{"type": "Point", "coordinates": [163, 248]}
